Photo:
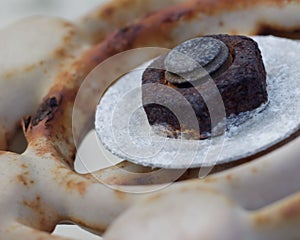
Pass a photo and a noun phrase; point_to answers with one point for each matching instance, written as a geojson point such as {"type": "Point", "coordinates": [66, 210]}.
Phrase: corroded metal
{"type": "Point", "coordinates": [40, 188]}
{"type": "Point", "coordinates": [194, 59]}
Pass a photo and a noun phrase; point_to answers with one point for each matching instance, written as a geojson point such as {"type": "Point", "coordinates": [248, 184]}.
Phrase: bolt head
{"type": "Point", "coordinates": [195, 59]}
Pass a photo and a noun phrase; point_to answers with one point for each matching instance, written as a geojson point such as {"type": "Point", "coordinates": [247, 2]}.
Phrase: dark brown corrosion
{"type": "Point", "coordinates": [46, 110]}
{"type": "Point", "coordinates": [242, 87]}
{"type": "Point", "coordinates": [155, 29]}
{"type": "Point", "coordinates": [292, 33]}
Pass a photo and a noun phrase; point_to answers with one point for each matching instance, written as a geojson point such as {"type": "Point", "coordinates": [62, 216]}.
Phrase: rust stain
{"type": "Point", "coordinates": [229, 177]}
{"type": "Point", "coordinates": [23, 179]}
{"type": "Point", "coordinates": [69, 36]}
{"type": "Point", "coordinates": [186, 10]}
{"type": "Point", "coordinates": [67, 24]}
{"type": "Point", "coordinates": [154, 198]}
{"type": "Point", "coordinates": [150, 31]}
{"type": "Point", "coordinates": [291, 211]}
{"type": "Point", "coordinates": [177, 15]}
{"type": "Point", "coordinates": [139, 179]}
{"type": "Point", "coordinates": [43, 220]}
{"type": "Point", "coordinates": [262, 220]}
{"type": "Point", "coordinates": [61, 173]}
{"type": "Point", "coordinates": [210, 180]}
{"type": "Point", "coordinates": [60, 53]}
{"type": "Point", "coordinates": [79, 186]}
{"type": "Point", "coordinates": [96, 227]}
{"type": "Point", "coordinates": [46, 110]}
{"type": "Point", "coordinates": [107, 12]}
{"type": "Point", "coordinates": [29, 68]}
{"type": "Point", "coordinates": [120, 195]}
{"type": "Point", "coordinates": [34, 204]}
{"type": "Point", "coordinates": [279, 31]}
{"type": "Point", "coordinates": [24, 166]}
{"type": "Point", "coordinates": [9, 75]}
{"type": "Point", "coordinates": [284, 213]}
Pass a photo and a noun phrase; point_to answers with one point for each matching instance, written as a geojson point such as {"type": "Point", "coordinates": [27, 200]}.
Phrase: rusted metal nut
{"type": "Point", "coordinates": [241, 84]}
{"type": "Point", "coordinates": [194, 59]}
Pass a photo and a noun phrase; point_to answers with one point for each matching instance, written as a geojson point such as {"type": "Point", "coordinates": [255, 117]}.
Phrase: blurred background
{"type": "Point", "coordinates": [13, 10]}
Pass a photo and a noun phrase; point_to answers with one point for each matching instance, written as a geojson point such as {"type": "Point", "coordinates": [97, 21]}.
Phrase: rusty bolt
{"type": "Point", "coordinates": [195, 59]}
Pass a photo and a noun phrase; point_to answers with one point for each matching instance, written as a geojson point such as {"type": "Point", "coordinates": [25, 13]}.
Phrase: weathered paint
{"type": "Point", "coordinates": [39, 188]}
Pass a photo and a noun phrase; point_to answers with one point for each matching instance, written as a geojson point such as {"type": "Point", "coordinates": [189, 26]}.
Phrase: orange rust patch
{"type": "Point", "coordinates": [110, 9]}
{"type": "Point", "coordinates": [60, 53]}
{"type": "Point", "coordinates": [79, 186]}
{"type": "Point", "coordinates": [291, 211]}
{"type": "Point", "coordinates": [33, 204]}
{"type": "Point", "coordinates": [46, 110]}
{"type": "Point", "coordinates": [10, 74]}
{"type": "Point", "coordinates": [67, 24]}
{"type": "Point", "coordinates": [22, 178]}
{"type": "Point", "coordinates": [261, 220]}
{"type": "Point", "coordinates": [120, 195]}
{"type": "Point", "coordinates": [96, 227]}
{"type": "Point", "coordinates": [2, 153]}
{"type": "Point", "coordinates": [29, 68]}
{"type": "Point", "coordinates": [107, 12]}
{"type": "Point", "coordinates": [67, 39]}
{"type": "Point", "coordinates": [154, 198]}
{"type": "Point", "coordinates": [210, 180]}
{"type": "Point", "coordinates": [229, 177]}
{"type": "Point", "coordinates": [24, 166]}
{"type": "Point", "coordinates": [284, 212]}
{"type": "Point", "coordinates": [45, 216]}
{"type": "Point", "coordinates": [254, 170]}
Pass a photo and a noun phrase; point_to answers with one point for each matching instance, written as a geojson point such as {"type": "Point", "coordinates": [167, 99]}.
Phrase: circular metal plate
{"type": "Point", "coordinates": [122, 126]}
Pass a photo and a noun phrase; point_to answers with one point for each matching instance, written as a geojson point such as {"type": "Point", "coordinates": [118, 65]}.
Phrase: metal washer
{"type": "Point", "coordinates": [277, 123]}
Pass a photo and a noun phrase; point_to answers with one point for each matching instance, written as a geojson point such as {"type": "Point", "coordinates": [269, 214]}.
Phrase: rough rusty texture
{"type": "Point", "coordinates": [46, 190]}
{"type": "Point", "coordinates": [184, 61]}
{"type": "Point", "coordinates": [46, 110]}
{"type": "Point", "coordinates": [242, 86]}
{"type": "Point", "coordinates": [153, 30]}
{"type": "Point", "coordinates": [78, 186]}
{"type": "Point", "coordinates": [25, 180]}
